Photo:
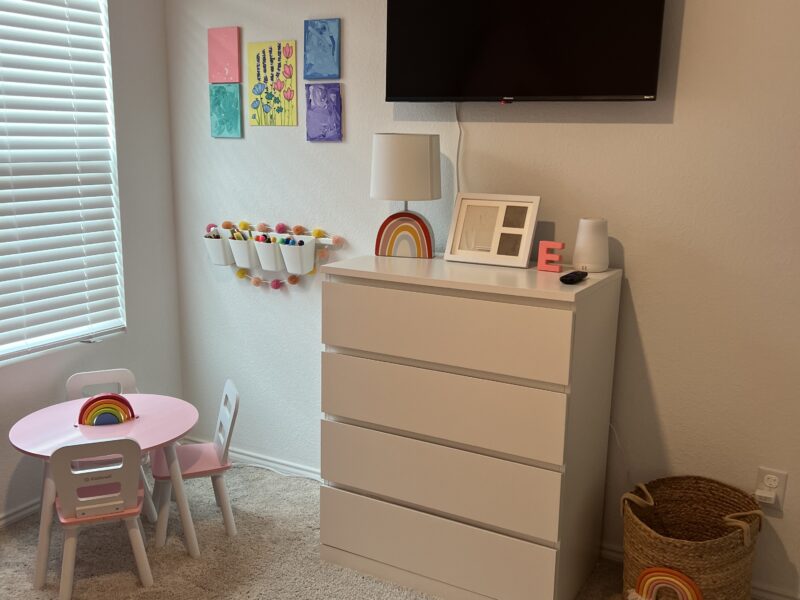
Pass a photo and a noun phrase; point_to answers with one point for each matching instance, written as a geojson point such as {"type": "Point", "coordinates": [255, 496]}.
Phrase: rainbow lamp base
{"type": "Point", "coordinates": [405, 234]}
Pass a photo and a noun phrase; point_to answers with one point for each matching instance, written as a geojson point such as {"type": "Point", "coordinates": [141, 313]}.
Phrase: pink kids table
{"type": "Point", "coordinates": [160, 421]}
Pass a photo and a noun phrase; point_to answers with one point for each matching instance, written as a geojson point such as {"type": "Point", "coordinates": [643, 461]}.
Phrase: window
{"type": "Point", "coordinates": [60, 251]}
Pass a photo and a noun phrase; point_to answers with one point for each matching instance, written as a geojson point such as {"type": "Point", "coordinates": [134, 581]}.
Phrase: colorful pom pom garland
{"type": "Point", "coordinates": [229, 233]}
{"type": "Point", "coordinates": [105, 409]}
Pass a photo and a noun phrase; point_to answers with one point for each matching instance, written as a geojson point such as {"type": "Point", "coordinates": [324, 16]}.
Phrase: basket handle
{"type": "Point", "coordinates": [645, 502]}
{"type": "Point", "coordinates": [734, 520]}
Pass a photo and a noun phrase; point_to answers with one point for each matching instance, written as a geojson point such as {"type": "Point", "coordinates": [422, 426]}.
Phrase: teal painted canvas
{"type": "Point", "coordinates": [226, 110]}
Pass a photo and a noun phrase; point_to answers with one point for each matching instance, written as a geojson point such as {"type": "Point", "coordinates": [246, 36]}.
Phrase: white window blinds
{"type": "Point", "coordinates": [60, 261]}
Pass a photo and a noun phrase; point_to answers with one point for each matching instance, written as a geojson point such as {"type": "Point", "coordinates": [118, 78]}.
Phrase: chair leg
{"type": "Point", "coordinates": [68, 563]}
{"type": "Point", "coordinates": [221, 492]}
{"type": "Point", "coordinates": [149, 506]}
{"type": "Point", "coordinates": [141, 530]}
{"type": "Point", "coordinates": [139, 553]}
{"type": "Point", "coordinates": [163, 512]}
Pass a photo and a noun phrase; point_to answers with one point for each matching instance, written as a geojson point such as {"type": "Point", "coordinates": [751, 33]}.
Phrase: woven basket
{"type": "Point", "coordinates": [702, 528]}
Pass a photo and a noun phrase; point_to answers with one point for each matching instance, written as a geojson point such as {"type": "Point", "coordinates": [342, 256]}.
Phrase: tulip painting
{"type": "Point", "coordinates": [272, 81]}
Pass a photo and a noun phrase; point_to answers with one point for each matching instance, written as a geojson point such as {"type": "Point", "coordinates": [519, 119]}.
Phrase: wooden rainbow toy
{"type": "Point", "coordinates": [651, 581]}
{"type": "Point", "coordinates": [105, 409]}
{"type": "Point", "coordinates": [404, 234]}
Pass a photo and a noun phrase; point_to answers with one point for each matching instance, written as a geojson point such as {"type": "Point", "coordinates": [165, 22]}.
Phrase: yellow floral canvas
{"type": "Point", "coordinates": [273, 83]}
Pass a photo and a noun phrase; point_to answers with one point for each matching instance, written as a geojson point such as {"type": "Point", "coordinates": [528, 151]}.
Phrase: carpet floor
{"type": "Point", "coordinates": [275, 556]}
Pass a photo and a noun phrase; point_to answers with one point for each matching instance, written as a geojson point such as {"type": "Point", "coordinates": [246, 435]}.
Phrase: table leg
{"type": "Point", "coordinates": [45, 522]}
{"type": "Point", "coordinates": [181, 500]}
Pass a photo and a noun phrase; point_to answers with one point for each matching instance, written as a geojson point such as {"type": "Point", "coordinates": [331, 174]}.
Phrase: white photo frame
{"type": "Point", "coordinates": [492, 229]}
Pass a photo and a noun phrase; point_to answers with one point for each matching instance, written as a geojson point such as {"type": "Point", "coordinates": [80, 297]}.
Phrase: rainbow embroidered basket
{"type": "Point", "coordinates": [688, 538]}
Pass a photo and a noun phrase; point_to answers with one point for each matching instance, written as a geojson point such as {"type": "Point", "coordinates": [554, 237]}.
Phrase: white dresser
{"type": "Point", "coordinates": [466, 425]}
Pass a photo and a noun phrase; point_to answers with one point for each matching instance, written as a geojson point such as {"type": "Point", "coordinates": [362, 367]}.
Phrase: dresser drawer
{"type": "Point", "coordinates": [481, 561]}
{"type": "Point", "coordinates": [510, 339]}
{"type": "Point", "coordinates": [498, 493]}
{"type": "Point", "coordinates": [500, 417]}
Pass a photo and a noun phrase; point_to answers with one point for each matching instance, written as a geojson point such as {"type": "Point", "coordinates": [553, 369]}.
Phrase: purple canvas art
{"type": "Point", "coordinates": [323, 112]}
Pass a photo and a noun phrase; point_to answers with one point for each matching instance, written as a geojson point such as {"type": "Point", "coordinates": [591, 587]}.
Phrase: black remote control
{"type": "Point", "coordinates": [574, 277]}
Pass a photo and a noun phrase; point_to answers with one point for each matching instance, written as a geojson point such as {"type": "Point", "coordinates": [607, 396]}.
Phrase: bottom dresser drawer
{"type": "Point", "coordinates": [460, 555]}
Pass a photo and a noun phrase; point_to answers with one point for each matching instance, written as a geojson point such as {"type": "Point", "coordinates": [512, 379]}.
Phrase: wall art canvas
{"type": "Point", "coordinates": [226, 110]}
{"type": "Point", "coordinates": [323, 112]}
{"type": "Point", "coordinates": [223, 55]}
{"type": "Point", "coordinates": [321, 49]}
{"type": "Point", "coordinates": [273, 83]}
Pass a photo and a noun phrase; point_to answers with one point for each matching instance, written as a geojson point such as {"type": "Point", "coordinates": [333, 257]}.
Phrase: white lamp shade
{"type": "Point", "coordinates": [405, 166]}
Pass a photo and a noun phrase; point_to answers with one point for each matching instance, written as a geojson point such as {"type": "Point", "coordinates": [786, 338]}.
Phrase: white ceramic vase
{"type": "Point", "coordinates": [591, 246]}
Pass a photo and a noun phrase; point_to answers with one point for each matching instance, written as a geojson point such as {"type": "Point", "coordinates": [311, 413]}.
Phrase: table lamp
{"type": "Point", "coordinates": [405, 167]}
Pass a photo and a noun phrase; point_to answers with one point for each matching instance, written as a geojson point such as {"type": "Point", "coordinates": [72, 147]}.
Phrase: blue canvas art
{"type": "Point", "coordinates": [323, 112]}
{"type": "Point", "coordinates": [226, 110]}
{"type": "Point", "coordinates": [321, 49]}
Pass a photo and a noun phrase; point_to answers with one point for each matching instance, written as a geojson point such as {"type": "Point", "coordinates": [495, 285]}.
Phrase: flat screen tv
{"type": "Point", "coordinates": [452, 50]}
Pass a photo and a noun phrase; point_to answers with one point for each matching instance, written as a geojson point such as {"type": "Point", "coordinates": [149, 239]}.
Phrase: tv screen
{"type": "Point", "coordinates": [451, 50]}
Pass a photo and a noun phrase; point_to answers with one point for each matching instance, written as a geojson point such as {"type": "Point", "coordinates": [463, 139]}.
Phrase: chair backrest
{"type": "Point", "coordinates": [229, 408]}
{"type": "Point", "coordinates": [121, 378]}
{"type": "Point", "coordinates": [101, 487]}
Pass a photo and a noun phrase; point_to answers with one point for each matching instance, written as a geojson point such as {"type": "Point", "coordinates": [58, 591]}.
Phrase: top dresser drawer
{"type": "Point", "coordinates": [516, 340]}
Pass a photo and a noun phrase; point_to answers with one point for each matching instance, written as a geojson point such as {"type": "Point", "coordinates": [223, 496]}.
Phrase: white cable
{"type": "Point", "coordinates": [457, 106]}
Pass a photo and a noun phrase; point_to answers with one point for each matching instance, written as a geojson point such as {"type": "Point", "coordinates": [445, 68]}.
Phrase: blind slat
{"type": "Point", "coordinates": [36, 312]}
{"type": "Point", "coordinates": [48, 199]}
{"type": "Point", "coordinates": [32, 182]}
{"type": "Point", "coordinates": [46, 243]}
{"type": "Point", "coordinates": [31, 233]}
{"type": "Point", "coordinates": [56, 266]}
{"type": "Point", "coordinates": [99, 313]}
{"type": "Point", "coordinates": [53, 218]}
{"type": "Point", "coordinates": [54, 168]}
{"type": "Point", "coordinates": [57, 291]}
{"type": "Point", "coordinates": [53, 24]}
{"type": "Point", "coordinates": [53, 280]}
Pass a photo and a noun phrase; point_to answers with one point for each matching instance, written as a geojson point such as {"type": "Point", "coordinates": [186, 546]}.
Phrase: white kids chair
{"type": "Point", "coordinates": [102, 491]}
{"type": "Point", "coordinates": [124, 380]}
{"type": "Point", "coordinates": [200, 460]}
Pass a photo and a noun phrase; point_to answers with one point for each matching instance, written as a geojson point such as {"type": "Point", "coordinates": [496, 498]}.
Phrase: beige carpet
{"type": "Point", "coordinates": [274, 557]}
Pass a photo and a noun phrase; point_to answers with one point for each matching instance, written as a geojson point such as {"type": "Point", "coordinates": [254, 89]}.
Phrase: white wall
{"type": "Point", "coordinates": [700, 188]}
{"type": "Point", "coordinates": [150, 347]}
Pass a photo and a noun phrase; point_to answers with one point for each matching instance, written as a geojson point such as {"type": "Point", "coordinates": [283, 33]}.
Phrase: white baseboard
{"type": "Point", "coordinates": [19, 513]}
{"type": "Point", "coordinates": [284, 467]}
{"type": "Point", "coordinates": [760, 591]}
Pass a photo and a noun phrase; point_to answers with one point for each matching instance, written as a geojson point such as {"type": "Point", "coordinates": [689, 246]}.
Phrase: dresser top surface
{"type": "Point", "coordinates": [464, 276]}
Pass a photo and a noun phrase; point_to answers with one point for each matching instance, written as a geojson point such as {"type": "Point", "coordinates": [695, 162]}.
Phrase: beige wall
{"type": "Point", "coordinates": [150, 347]}
{"type": "Point", "coordinates": [702, 193]}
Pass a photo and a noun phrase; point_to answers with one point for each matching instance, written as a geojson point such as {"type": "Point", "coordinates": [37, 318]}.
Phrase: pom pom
{"type": "Point", "coordinates": [210, 226]}
{"type": "Point", "coordinates": [338, 241]}
{"type": "Point", "coordinates": [293, 279]}
{"type": "Point", "coordinates": [245, 226]}
{"type": "Point", "coordinates": [256, 281]}
{"type": "Point", "coordinates": [262, 227]}
{"type": "Point", "coordinates": [241, 273]}
{"type": "Point", "coordinates": [298, 230]}
{"type": "Point", "coordinates": [274, 240]}
{"type": "Point", "coordinates": [318, 233]}
{"type": "Point", "coordinates": [227, 225]}
{"type": "Point", "coordinates": [301, 243]}
{"type": "Point", "coordinates": [323, 254]}
{"type": "Point", "coordinates": [293, 242]}
{"type": "Point", "coordinates": [275, 284]}
{"type": "Point", "coordinates": [281, 228]}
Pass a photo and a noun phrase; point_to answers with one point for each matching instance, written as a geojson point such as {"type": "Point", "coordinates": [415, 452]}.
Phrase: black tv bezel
{"type": "Point", "coordinates": [511, 99]}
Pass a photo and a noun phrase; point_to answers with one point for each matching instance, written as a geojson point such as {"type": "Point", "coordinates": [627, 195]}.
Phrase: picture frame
{"type": "Point", "coordinates": [492, 229]}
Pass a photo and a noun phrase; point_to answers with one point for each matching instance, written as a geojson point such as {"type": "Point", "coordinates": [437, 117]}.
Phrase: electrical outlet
{"type": "Point", "coordinates": [772, 481]}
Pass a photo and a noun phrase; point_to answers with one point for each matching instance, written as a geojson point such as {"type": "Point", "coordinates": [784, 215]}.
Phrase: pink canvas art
{"type": "Point", "coordinates": [223, 55]}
